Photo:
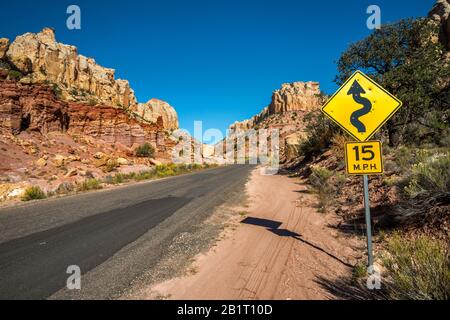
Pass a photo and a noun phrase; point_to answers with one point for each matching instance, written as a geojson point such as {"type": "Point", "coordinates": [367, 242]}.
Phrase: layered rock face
{"type": "Point", "coordinates": [78, 79]}
{"type": "Point", "coordinates": [36, 108]}
{"type": "Point", "coordinates": [42, 59]}
{"type": "Point", "coordinates": [298, 96]}
{"type": "Point", "coordinates": [441, 14]}
{"type": "Point", "coordinates": [157, 110]}
{"type": "Point", "coordinates": [295, 96]}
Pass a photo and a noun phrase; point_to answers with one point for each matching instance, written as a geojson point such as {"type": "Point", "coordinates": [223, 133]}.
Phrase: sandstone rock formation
{"type": "Point", "coordinates": [4, 45]}
{"type": "Point", "coordinates": [441, 14]}
{"type": "Point", "coordinates": [24, 107]}
{"type": "Point", "coordinates": [295, 96]}
{"type": "Point", "coordinates": [157, 110]}
{"type": "Point", "coordinates": [36, 108]}
{"type": "Point", "coordinates": [41, 59]}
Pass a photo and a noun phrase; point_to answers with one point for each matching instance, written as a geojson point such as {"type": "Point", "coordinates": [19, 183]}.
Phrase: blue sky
{"type": "Point", "coordinates": [217, 61]}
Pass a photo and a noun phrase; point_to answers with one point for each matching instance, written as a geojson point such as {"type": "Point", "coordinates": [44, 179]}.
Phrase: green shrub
{"type": "Point", "coordinates": [320, 133]}
{"type": "Point", "coordinates": [33, 193]}
{"type": "Point", "coordinates": [145, 150]}
{"type": "Point", "coordinates": [15, 75]}
{"type": "Point", "coordinates": [322, 186]}
{"type": "Point", "coordinates": [417, 269]}
{"type": "Point", "coordinates": [119, 178]}
{"type": "Point", "coordinates": [89, 184]}
{"type": "Point", "coordinates": [430, 177]}
{"type": "Point", "coordinates": [64, 188]}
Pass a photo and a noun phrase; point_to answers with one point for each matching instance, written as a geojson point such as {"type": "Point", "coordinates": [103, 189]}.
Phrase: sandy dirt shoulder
{"type": "Point", "coordinates": [278, 247]}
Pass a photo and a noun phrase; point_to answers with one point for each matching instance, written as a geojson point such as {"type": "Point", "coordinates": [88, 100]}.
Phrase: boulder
{"type": "Point", "coordinates": [41, 162]}
{"type": "Point", "coordinates": [122, 161]}
{"type": "Point", "coordinates": [71, 173]}
{"type": "Point", "coordinates": [4, 45]}
{"type": "Point", "coordinates": [59, 160]}
{"type": "Point", "coordinates": [154, 162]}
{"type": "Point", "coordinates": [99, 155]}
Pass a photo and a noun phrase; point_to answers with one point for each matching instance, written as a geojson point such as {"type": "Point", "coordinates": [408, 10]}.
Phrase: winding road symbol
{"type": "Point", "coordinates": [361, 106]}
{"type": "Point", "coordinates": [356, 90]}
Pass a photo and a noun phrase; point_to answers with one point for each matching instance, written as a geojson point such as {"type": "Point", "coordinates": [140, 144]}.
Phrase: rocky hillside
{"type": "Point", "coordinates": [40, 59]}
{"type": "Point", "coordinates": [65, 119]}
{"type": "Point", "coordinates": [286, 112]}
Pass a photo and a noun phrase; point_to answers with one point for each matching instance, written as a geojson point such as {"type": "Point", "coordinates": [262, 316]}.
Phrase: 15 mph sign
{"type": "Point", "coordinates": [364, 158]}
{"type": "Point", "coordinates": [361, 107]}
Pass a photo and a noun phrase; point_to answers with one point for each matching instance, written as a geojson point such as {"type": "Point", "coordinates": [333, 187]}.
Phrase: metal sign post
{"type": "Point", "coordinates": [368, 221]}
{"type": "Point", "coordinates": [361, 107]}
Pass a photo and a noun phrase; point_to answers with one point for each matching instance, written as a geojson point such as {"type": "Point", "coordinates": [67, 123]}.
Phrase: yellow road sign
{"type": "Point", "coordinates": [364, 158]}
{"type": "Point", "coordinates": [361, 106]}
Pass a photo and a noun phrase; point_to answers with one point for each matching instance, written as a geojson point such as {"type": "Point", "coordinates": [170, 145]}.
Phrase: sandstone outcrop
{"type": "Point", "coordinates": [42, 59]}
{"type": "Point", "coordinates": [78, 79]}
{"type": "Point", "coordinates": [441, 14]}
{"type": "Point", "coordinates": [157, 110]}
{"type": "Point", "coordinates": [298, 96]}
{"type": "Point", "coordinates": [36, 108]}
{"type": "Point", "coordinates": [4, 45]}
{"type": "Point", "coordinates": [295, 96]}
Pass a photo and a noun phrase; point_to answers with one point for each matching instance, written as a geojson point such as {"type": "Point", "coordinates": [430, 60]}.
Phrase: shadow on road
{"type": "Point", "coordinates": [273, 226]}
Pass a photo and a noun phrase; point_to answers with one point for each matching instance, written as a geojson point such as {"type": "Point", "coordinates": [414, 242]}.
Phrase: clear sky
{"type": "Point", "coordinates": [217, 61]}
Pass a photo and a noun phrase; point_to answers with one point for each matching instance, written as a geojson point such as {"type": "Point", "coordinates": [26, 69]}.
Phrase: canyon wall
{"type": "Point", "coordinates": [37, 58]}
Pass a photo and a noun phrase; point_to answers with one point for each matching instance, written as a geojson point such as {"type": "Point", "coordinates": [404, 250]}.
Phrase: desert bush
{"type": "Point", "coordinates": [322, 186]}
{"type": "Point", "coordinates": [338, 145]}
{"type": "Point", "coordinates": [430, 177]}
{"type": "Point", "coordinates": [145, 150]}
{"type": "Point", "coordinates": [320, 133]}
{"type": "Point", "coordinates": [89, 184]}
{"type": "Point", "coordinates": [64, 188]}
{"type": "Point", "coordinates": [119, 178]}
{"type": "Point", "coordinates": [417, 269]}
{"type": "Point", "coordinates": [15, 75]}
{"type": "Point", "coordinates": [33, 193]}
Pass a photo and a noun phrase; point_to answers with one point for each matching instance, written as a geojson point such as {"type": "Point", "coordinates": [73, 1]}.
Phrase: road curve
{"type": "Point", "coordinates": [112, 235]}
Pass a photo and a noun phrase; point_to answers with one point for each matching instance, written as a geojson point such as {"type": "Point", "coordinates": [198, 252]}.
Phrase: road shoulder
{"type": "Point", "coordinates": [278, 247]}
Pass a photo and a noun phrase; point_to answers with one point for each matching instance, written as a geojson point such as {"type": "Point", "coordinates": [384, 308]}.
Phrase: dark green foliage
{"type": "Point", "coordinates": [145, 150]}
{"type": "Point", "coordinates": [33, 193]}
{"type": "Point", "coordinates": [405, 60]}
{"type": "Point", "coordinates": [320, 133]}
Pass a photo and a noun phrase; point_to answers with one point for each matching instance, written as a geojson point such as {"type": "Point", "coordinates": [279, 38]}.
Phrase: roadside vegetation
{"type": "Point", "coordinates": [158, 172]}
{"type": "Point", "coordinates": [33, 193]}
{"type": "Point", "coordinates": [145, 150]}
{"type": "Point", "coordinates": [412, 199]}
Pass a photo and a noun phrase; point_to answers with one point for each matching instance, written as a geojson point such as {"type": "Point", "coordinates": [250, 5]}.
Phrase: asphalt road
{"type": "Point", "coordinates": [113, 235]}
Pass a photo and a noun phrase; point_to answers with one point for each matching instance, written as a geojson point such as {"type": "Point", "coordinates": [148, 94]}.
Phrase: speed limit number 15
{"type": "Point", "coordinates": [364, 158]}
